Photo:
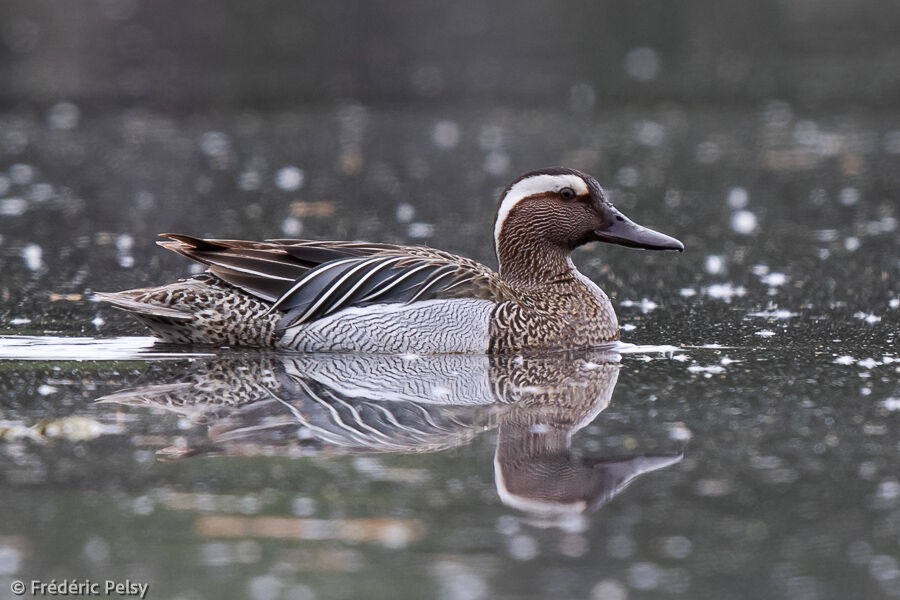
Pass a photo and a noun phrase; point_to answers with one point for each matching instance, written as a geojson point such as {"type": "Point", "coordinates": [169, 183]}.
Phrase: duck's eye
{"type": "Point", "coordinates": [567, 193]}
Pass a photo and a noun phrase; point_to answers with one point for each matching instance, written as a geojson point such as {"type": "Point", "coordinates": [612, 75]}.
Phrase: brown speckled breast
{"type": "Point", "coordinates": [565, 315]}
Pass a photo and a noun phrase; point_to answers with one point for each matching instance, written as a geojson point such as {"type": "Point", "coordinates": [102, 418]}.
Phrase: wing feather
{"type": "Point", "coordinates": [307, 280]}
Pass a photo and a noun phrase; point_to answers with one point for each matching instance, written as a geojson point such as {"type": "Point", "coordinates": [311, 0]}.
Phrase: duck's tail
{"type": "Point", "coordinates": [199, 310]}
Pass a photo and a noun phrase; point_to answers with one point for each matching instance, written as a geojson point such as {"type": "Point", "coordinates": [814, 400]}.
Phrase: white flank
{"type": "Point", "coordinates": [532, 186]}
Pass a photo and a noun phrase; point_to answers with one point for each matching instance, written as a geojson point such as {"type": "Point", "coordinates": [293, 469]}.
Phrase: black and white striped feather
{"type": "Point", "coordinates": [308, 280]}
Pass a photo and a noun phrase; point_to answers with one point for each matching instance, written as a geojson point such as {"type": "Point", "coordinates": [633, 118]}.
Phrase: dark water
{"type": "Point", "coordinates": [746, 447]}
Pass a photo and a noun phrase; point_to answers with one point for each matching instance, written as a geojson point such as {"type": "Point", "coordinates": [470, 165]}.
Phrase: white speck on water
{"type": "Point", "coordinates": [737, 198]}
{"type": "Point", "coordinates": [765, 333]}
{"type": "Point", "coordinates": [708, 152]}
{"type": "Point", "coordinates": [849, 196]}
{"type": "Point", "coordinates": [124, 242]}
{"type": "Point", "coordinates": [643, 576]}
{"type": "Point", "coordinates": [889, 489]}
{"type": "Point", "coordinates": [303, 506]}
{"type": "Point", "coordinates": [894, 302]}
{"type": "Point", "coordinates": [868, 318]}
{"type": "Point", "coordinates": [725, 291]}
{"type": "Point", "coordinates": [249, 180]}
{"type": "Point", "coordinates": [892, 142]}
{"type": "Point", "coordinates": [679, 432]}
{"type": "Point", "coordinates": [609, 589]}
{"type": "Point", "coordinates": [33, 255]}
{"type": "Point", "coordinates": [265, 587]}
{"type": "Point", "coordinates": [46, 390]}
{"type": "Point", "coordinates": [420, 230]}
{"type": "Point", "coordinates": [827, 235]}
{"type": "Point", "coordinates": [126, 261]}
{"type": "Point", "coordinates": [677, 547]}
{"type": "Point", "coordinates": [496, 162]}
{"type": "Point", "coordinates": [289, 179]}
{"type": "Point", "coordinates": [19, 321]}
{"type": "Point", "coordinates": [445, 134]}
{"type": "Point", "coordinates": [649, 133]}
{"type": "Point", "coordinates": [627, 327]}
{"type": "Point", "coordinates": [774, 279]}
{"type": "Point", "coordinates": [715, 264]}
{"type": "Point", "coordinates": [628, 176]}
{"type": "Point", "coordinates": [712, 369]}
{"type": "Point", "coordinates": [851, 243]}
{"type": "Point", "coordinates": [883, 567]}
{"type": "Point", "coordinates": [405, 212]}
{"type": "Point", "coordinates": [523, 547]}
{"type": "Point", "coordinates": [214, 143]}
{"type": "Point", "coordinates": [687, 292]}
{"type": "Point", "coordinates": [97, 321]}
{"type": "Point", "coordinates": [40, 192]}
{"type": "Point", "coordinates": [743, 222]}
{"type": "Point", "coordinates": [13, 207]}
{"type": "Point", "coordinates": [642, 63]}
{"type": "Point", "coordinates": [774, 314]}
{"type": "Point", "coordinates": [891, 404]}
{"type": "Point", "coordinates": [63, 116]}
{"type": "Point", "coordinates": [646, 305]}
{"type": "Point", "coordinates": [844, 360]}
{"type": "Point", "coordinates": [868, 363]}
{"type": "Point", "coordinates": [21, 174]}
{"type": "Point", "coordinates": [292, 226]}
{"type": "Point", "coordinates": [727, 361]}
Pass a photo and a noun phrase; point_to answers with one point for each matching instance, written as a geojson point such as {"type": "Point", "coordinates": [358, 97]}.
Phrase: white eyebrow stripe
{"type": "Point", "coordinates": [536, 184]}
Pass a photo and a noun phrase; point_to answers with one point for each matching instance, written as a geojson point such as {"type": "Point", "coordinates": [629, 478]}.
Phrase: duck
{"type": "Point", "coordinates": [350, 296]}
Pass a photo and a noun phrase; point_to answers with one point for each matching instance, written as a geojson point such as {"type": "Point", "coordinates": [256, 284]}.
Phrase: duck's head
{"type": "Point", "coordinates": [563, 208]}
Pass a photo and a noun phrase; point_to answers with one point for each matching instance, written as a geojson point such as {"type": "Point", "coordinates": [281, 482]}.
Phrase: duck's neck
{"type": "Point", "coordinates": [532, 264]}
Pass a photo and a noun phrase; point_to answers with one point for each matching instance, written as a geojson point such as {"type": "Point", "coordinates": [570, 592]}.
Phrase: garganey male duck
{"type": "Point", "coordinates": [326, 296]}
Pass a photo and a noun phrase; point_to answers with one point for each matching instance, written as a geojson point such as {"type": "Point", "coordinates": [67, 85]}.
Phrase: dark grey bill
{"type": "Point", "coordinates": [619, 229]}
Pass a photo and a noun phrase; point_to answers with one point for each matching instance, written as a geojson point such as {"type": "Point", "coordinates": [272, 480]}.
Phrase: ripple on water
{"type": "Point", "coordinates": [28, 347]}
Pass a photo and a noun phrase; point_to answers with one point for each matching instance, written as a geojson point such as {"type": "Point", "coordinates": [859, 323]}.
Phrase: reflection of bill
{"type": "Point", "coordinates": [362, 404]}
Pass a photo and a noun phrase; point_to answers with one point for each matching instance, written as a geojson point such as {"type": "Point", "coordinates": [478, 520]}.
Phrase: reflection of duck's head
{"type": "Point", "coordinates": [534, 469]}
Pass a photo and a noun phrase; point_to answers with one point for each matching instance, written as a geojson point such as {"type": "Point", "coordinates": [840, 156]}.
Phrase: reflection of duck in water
{"type": "Point", "coordinates": [303, 404]}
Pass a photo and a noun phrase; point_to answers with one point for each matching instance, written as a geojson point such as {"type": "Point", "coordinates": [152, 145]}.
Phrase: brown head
{"type": "Point", "coordinates": [550, 212]}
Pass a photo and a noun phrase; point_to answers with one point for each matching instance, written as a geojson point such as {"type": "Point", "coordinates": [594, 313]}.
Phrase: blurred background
{"type": "Point", "coordinates": [765, 135]}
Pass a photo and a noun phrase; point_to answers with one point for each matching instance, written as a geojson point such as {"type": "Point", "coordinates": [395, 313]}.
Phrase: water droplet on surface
{"type": "Point", "coordinates": [743, 222]}
{"type": "Point", "coordinates": [445, 134]}
{"type": "Point", "coordinates": [642, 64]}
{"type": "Point", "coordinates": [737, 198]}
{"type": "Point", "coordinates": [714, 264]}
{"type": "Point", "coordinates": [289, 179]}
{"type": "Point", "coordinates": [63, 116]}
{"type": "Point", "coordinates": [33, 254]}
